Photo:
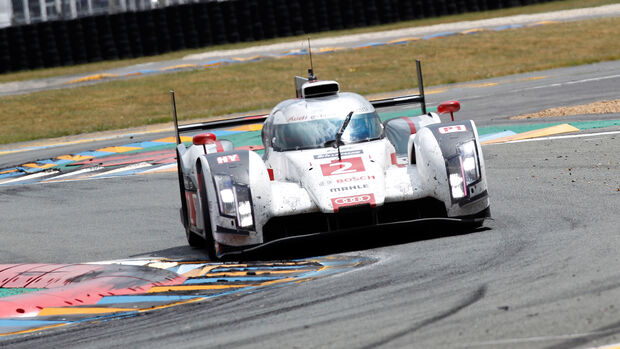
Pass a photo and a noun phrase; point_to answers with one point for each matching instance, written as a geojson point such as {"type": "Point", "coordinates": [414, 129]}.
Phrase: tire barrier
{"type": "Point", "coordinates": [145, 33]}
{"type": "Point", "coordinates": [5, 55]}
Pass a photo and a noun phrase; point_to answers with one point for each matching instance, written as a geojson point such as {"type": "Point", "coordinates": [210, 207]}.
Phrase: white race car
{"type": "Point", "coordinates": [329, 165]}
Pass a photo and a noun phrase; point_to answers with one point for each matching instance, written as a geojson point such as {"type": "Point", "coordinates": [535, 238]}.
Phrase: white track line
{"type": "Point", "coordinates": [32, 176]}
{"type": "Point", "coordinates": [571, 82]}
{"type": "Point", "coordinates": [75, 173]}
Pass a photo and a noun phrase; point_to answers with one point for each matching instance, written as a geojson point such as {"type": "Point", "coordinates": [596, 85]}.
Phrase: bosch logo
{"type": "Point", "coordinates": [354, 179]}
{"type": "Point", "coordinates": [353, 200]}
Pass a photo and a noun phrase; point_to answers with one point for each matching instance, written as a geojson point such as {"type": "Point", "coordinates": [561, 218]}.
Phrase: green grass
{"type": "Point", "coordinates": [99, 66]}
{"type": "Point", "coordinates": [244, 87]}
{"type": "Point", "coordinates": [6, 292]}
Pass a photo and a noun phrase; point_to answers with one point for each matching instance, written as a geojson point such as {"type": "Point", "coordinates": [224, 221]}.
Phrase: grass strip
{"type": "Point", "coordinates": [243, 87]}
{"type": "Point", "coordinates": [5, 292]}
{"type": "Point", "coordinates": [99, 66]}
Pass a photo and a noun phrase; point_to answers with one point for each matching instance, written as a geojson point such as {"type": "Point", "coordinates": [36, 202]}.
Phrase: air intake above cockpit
{"type": "Point", "coordinates": [315, 88]}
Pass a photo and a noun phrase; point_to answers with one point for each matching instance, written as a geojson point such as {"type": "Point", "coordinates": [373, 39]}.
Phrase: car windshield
{"type": "Point", "coordinates": [315, 133]}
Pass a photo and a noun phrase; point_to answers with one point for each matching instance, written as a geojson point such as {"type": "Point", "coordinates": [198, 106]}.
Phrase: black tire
{"type": "Point", "coordinates": [209, 243]}
{"type": "Point", "coordinates": [194, 240]}
{"type": "Point", "coordinates": [184, 216]}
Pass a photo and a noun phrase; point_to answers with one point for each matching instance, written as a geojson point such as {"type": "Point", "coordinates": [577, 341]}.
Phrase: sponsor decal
{"type": "Point", "coordinates": [227, 159]}
{"type": "Point", "coordinates": [305, 117]}
{"type": "Point", "coordinates": [353, 200]}
{"type": "Point", "coordinates": [298, 118]}
{"type": "Point", "coordinates": [349, 187]}
{"type": "Point", "coordinates": [452, 129]}
{"type": "Point", "coordinates": [354, 179]}
{"type": "Point", "coordinates": [335, 155]}
{"type": "Point", "coordinates": [395, 160]}
{"type": "Point", "coordinates": [343, 166]}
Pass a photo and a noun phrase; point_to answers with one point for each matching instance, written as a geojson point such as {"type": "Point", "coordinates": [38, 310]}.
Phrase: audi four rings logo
{"type": "Point", "coordinates": [352, 200]}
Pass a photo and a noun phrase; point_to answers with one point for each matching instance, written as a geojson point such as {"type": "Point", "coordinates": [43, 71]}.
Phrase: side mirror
{"type": "Point", "coordinates": [203, 138]}
{"type": "Point", "coordinates": [449, 107]}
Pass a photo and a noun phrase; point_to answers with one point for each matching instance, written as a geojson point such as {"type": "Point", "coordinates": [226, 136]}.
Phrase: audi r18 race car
{"type": "Point", "coordinates": [329, 165]}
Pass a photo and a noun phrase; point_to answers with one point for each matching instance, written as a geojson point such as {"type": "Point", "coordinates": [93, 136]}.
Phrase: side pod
{"type": "Point", "coordinates": [449, 158]}
{"type": "Point", "coordinates": [229, 179]}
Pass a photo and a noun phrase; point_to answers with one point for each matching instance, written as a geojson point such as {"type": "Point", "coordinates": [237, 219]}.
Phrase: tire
{"type": "Point", "coordinates": [209, 243]}
{"type": "Point", "coordinates": [194, 240]}
{"type": "Point", "coordinates": [184, 217]}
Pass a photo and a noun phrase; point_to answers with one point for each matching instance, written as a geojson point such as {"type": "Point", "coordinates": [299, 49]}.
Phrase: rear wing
{"type": "Point", "coordinates": [406, 99]}
{"type": "Point", "coordinates": [255, 119]}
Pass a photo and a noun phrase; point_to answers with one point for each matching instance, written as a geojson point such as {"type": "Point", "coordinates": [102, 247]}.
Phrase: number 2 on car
{"type": "Point", "coordinates": [344, 166]}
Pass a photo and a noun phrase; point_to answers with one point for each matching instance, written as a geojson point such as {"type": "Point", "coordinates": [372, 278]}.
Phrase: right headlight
{"type": "Point", "coordinates": [463, 169]}
{"type": "Point", "coordinates": [244, 207]}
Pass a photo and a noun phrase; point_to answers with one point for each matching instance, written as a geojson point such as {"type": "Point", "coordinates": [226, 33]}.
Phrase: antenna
{"type": "Point", "coordinates": [311, 76]}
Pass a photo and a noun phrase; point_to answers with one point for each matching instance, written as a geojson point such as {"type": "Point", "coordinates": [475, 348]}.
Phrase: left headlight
{"type": "Point", "coordinates": [234, 200]}
{"type": "Point", "coordinates": [244, 206]}
{"type": "Point", "coordinates": [463, 169]}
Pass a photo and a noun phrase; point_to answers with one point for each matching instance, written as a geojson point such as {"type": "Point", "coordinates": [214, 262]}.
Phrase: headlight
{"type": "Point", "coordinates": [470, 162]}
{"type": "Point", "coordinates": [463, 169]}
{"type": "Point", "coordinates": [244, 206]}
{"type": "Point", "coordinates": [458, 187]}
{"type": "Point", "coordinates": [234, 200]}
{"type": "Point", "coordinates": [226, 194]}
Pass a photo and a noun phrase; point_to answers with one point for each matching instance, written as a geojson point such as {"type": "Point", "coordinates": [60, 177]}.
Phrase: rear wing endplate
{"type": "Point", "coordinates": [407, 99]}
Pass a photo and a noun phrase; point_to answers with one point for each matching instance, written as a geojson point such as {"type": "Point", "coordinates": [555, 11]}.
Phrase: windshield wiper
{"type": "Point", "coordinates": [338, 140]}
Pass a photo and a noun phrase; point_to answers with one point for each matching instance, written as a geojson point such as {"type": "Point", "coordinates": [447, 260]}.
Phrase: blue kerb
{"type": "Point", "coordinates": [146, 144]}
{"type": "Point", "coordinates": [438, 35]}
{"type": "Point", "coordinates": [142, 299]}
{"type": "Point", "coordinates": [95, 154]}
{"type": "Point", "coordinates": [491, 136]}
{"type": "Point", "coordinates": [212, 280]}
{"type": "Point", "coordinates": [27, 323]}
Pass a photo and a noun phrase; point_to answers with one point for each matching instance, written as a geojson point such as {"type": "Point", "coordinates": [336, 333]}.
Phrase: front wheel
{"type": "Point", "coordinates": [209, 243]}
{"type": "Point", "coordinates": [193, 239]}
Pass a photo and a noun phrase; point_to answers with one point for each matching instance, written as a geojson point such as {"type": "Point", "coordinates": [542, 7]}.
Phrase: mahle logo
{"type": "Point", "coordinates": [350, 187]}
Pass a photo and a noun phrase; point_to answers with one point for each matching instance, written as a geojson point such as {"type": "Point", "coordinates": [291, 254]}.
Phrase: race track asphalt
{"type": "Point", "coordinates": [544, 273]}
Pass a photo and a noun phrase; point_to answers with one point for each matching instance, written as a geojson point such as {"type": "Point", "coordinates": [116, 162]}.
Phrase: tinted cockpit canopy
{"type": "Point", "coordinates": [316, 133]}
